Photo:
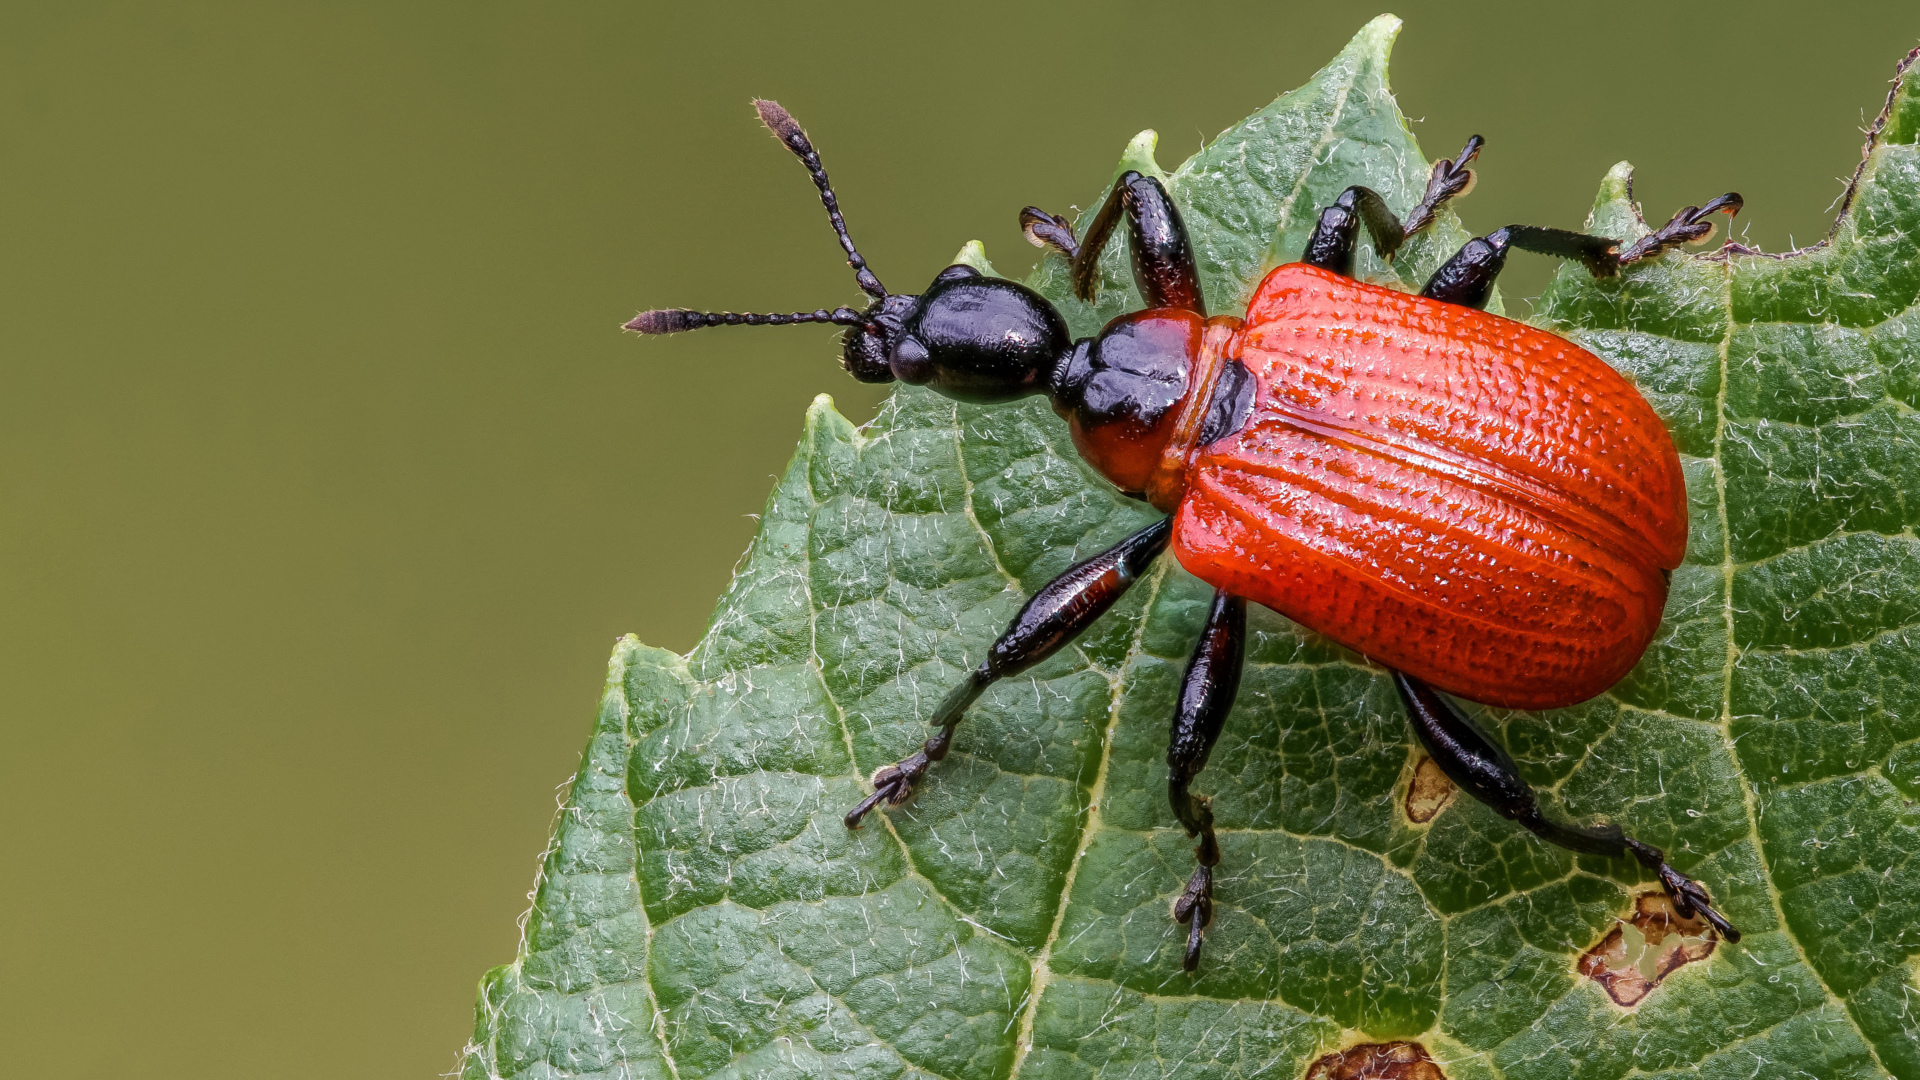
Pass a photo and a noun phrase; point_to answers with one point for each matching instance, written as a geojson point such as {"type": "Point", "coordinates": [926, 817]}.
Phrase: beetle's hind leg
{"type": "Point", "coordinates": [1336, 234]}
{"type": "Point", "coordinates": [1206, 694]}
{"type": "Point", "coordinates": [1055, 616]}
{"type": "Point", "coordinates": [1483, 769]}
{"type": "Point", "coordinates": [1467, 278]}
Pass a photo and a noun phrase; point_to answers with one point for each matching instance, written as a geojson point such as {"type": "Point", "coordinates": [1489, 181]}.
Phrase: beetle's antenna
{"type": "Point", "coordinates": [787, 130]}
{"type": "Point", "coordinates": [674, 320]}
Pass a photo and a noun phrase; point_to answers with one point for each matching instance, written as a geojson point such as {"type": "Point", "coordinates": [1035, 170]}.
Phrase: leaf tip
{"type": "Point", "coordinates": [973, 253]}
{"type": "Point", "coordinates": [1377, 36]}
{"type": "Point", "coordinates": [1386, 23]}
{"type": "Point", "coordinates": [1614, 213]}
{"type": "Point", "coordinates": [826, 427]}
{"type": "Point", "coordinates": [1138, 156]}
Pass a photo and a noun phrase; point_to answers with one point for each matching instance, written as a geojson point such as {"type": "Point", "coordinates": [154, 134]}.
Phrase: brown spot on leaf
{"type": "Point", "coordinates": [1377, 1061]}
{"type": "Point", "coordinates": [1429, 792]}
{"type": "Point", "coordinates": [1641, 952]}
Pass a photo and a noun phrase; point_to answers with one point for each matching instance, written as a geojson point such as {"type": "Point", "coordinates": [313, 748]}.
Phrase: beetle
{"type": "Point", "coordinates": [1484, 509]}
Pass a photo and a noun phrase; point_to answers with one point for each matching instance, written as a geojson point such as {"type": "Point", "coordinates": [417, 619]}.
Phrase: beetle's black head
{"type": "Point", "coordinates": [968, 336]}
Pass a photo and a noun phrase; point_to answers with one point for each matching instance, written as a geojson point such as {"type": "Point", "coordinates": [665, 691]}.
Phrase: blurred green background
{"type": "Point", "coordinates": [327, 481]}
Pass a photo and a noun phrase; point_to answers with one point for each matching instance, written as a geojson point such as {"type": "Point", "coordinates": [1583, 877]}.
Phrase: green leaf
{"type": "Point", "coordinates": [702, 911]}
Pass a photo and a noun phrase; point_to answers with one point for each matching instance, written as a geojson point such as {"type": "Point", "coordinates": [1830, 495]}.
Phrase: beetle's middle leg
{"type": "Point", "coordinates": [1336, 234]}
{"type": "Point", "coordinates": [1055, 616]}
{"type": "Point", "coordinates": [1206, 694]}
{"type": "Point", "coordinates": [1483, 769]}
{"type": "Point", "coordinates": [1467, 278]}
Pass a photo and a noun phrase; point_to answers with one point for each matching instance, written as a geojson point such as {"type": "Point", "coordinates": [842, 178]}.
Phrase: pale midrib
{"type": "Point", "coordinates": [1042, 972]}
{"type": "Point", "coordinates": [1726, 679]}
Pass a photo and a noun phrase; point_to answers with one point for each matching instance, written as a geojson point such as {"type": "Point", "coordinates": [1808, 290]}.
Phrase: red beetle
{"type": "Point", "coordinates": [1479, 506]}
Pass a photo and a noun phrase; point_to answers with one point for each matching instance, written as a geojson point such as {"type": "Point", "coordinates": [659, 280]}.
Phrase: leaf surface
{"type": "Point", "coordinates": [701, 911]}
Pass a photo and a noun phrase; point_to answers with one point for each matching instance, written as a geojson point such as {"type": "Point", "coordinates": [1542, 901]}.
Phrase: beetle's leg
{"type": "Point", "coordinates": [1337, 235]}
{"type": "Point", "coordinates": [1206, 693]}
{"type": "Point", "coordinates": [1055, 616]}
{"type": "Point", "coordinates": [1467, 278]}
{"type": "Point", "coordinates": [1044, 230]}
{"type": "Point", "coordinates": [1163, 267]}
{"type": "Point", "coordinates": [1331, 246]}
{"type": "Point", "coordinates": [1483, 769]}
{"type": "Point", "coordinates": [1692, 225]}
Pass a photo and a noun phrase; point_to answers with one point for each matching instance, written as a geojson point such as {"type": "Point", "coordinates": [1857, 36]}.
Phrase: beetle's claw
{"type": "Point", "coordinates": [1195, 908]}
{"type": "Point", "coordinates": [1191, 960]}
{"type": "Point", "coordinates": [892, 785]}
{"type": "Point", "coordinates": [1689, 898]}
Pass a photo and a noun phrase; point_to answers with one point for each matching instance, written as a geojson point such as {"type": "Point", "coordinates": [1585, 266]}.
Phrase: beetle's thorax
{"type": "Point", "coordinates": [1150, 388]}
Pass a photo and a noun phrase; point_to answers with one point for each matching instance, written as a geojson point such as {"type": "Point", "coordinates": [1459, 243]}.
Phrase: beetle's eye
{"type": "Point", "coordinates": [911, 363]}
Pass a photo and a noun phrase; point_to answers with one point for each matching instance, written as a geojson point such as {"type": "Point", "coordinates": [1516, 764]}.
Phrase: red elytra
{"type": "Point", "coordinates": [1473, 501]}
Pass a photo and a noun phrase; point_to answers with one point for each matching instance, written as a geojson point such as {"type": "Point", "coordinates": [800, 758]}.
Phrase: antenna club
{"type": "Point", "coordinates": [782, 124]}
{"type": "Point", "coordinates": [665, 321]}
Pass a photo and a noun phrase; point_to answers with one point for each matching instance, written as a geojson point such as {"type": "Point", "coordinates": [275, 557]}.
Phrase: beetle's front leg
{"type": "Point", "coordinates": [1483, 769]}
{"type": "Point", "coordinates": [1058, 613]}
{"type": "Point", "coordinates": [1163, 266]}
{"type": "Point", "coordinates": [1206, 694]}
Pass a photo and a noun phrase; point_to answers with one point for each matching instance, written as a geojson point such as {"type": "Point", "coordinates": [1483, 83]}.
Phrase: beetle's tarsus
{"type": "Point", "coordinates": [893, 785]}
{"type": "Point", "coordinates": [1195, 909]}
{"type": "Point", "coordinates": [1206, 695]}
{"type": "Point", "coordinates": [1689, 898]}
{"type": "Point", "coordinates": [1053, 617]}
{"type": "Point", "coordinates": [1449, 180]}
{"type": "Point", "coordinates": [1692, 225]}
{"type": "Point", "coordinates": [1044, 230]}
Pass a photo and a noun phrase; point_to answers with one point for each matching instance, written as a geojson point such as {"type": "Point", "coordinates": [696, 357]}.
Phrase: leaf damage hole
{"type": "Point", "coordinates": [1377, 1061]}
{"type": "Point", "coordinates": [1639, 953]}
{"type": "Point", "coordinates": [1428, 792]}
